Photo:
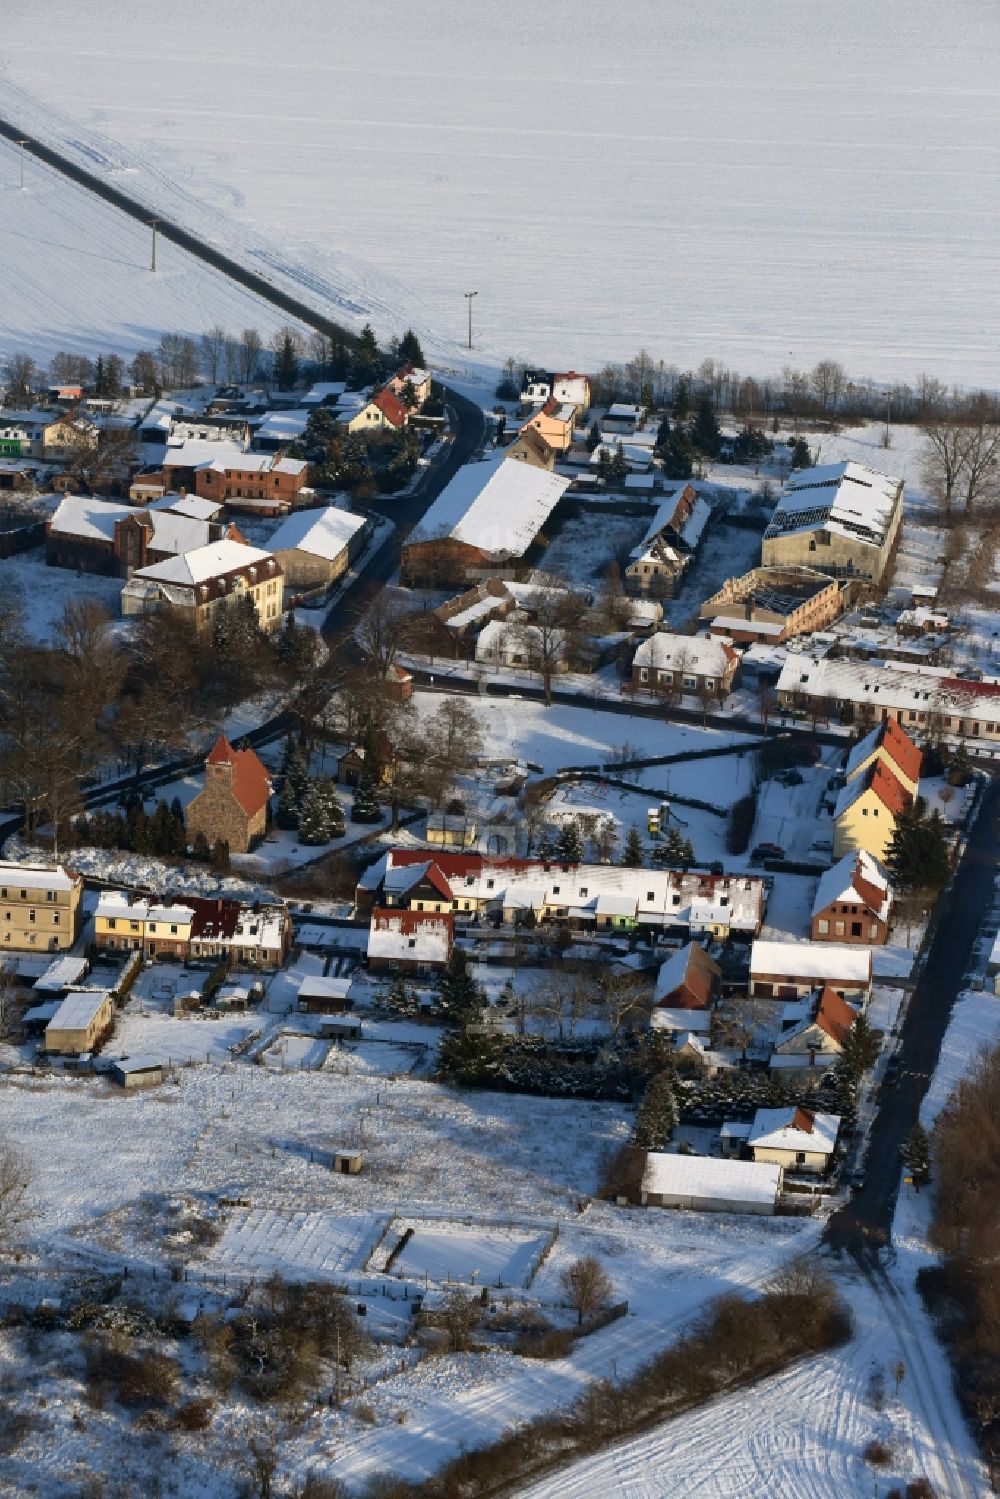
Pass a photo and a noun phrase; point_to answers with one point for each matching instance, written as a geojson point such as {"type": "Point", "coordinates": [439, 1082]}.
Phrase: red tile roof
{"type": "Point", "coordinates": [872, 896]}
{"type": "Point", "coordinates": [834, 1015]}
{"type": "Point", "coordinates": [213, 918]}
{"type": "Point", "coordinates": [803, 1119]}
{"type": "Point", "coordinates": [408, 923]}
{"type": "Point", "coordinates": [892, 793]}
{"type": "Point", "coordinates": [901, 748]}
{"type": "Point", "coordinates": [391, 407]}
{"type": "Point", "coordinates": [251, 786]}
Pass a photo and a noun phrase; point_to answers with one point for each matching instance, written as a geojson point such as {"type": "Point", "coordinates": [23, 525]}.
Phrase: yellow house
{"type": "Point", "coordinates": [63, 438]}
{"type": "Point", "coordinates": [866, 812]}
{"type": "Point", "coordinates": [555, 423]}
{"type": "Point", "coordinates": [39, 906]}
{"type": "Point", "coordinates": [385, 412]}
{"type": "Point", "coordinates": [124, 924]}
{"type": "Point", "coordinates": [82, 1020]}
{"type": "Point", "coordinates": [890, 746]}
{"type": "Point", "coordinates": [800, 1140]}
{"type": "Point", "coordinates": [208, 579]}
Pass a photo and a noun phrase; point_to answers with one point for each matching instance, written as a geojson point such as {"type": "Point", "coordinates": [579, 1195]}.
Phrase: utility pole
{"type": "Point", "coordinates": [888, 412]}
{"type": "Point", "coordinates": [22, 145]}
{"type": "Point", "coordinates": [152, 262]}
{"type": "Point", "coordinates": [468, 297]}
{"type": "Point", "coordinates": [338, 1365]}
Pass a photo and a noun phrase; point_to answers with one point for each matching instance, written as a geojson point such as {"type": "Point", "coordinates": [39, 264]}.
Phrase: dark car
{"type": "Point", "coordinates": [767, 851]}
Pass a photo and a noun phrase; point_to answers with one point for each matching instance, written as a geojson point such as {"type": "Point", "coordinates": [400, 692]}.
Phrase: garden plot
{"type": "Point", "coordinates": [589, 542]}
{"type": "Point", "coordinates": [627, 809]}
{"type": "Point", "coordinates": [563, 736]}
{"type": "Point", "coordinates": [375, 1059]}
{"type": "Point", "coordinates": [181, 1042]}
{"type": "Point", "coordinates": [260, 1242]}
{"type": "Point", "coordinates": [443, 1251]}
{"type": "Point", "coordinates": [293, 1051]}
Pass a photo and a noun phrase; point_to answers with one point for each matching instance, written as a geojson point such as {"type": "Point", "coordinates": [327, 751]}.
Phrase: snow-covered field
{"type": "Point", "coordinates": [77, 276]}
{"type": "Point", "coordinates": [766, 184]}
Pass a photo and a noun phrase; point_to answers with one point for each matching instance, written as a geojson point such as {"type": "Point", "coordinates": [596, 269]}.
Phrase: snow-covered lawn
{"type": "Point", "coordinates": [46, 591]}
{"type": "Point", "coordinates": [260, 1242]}
{"type": "Point", "coordinates": [439, 1251]}
{"type": "Point", "coordinates": [567, 736]}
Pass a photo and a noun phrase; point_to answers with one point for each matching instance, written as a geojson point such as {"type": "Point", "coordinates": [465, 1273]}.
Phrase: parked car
{"type": "Point", "coordinates": [790, 778]}
{"type": "Point", "coordinates": [767, 851]}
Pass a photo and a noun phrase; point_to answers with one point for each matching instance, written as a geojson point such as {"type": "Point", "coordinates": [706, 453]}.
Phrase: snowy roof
{"type": "Point", "coordinates": [421, 936]}
{"type": "Point", "coordinates": [178, 533]}
{"type": "Point", "coordinates": [495, 505]}
{"type": "Point", "coordinates": [324, 390]}
{"type": "Point", "coordinates": [187, 504]}
{"type": "Point", "coordinates": [704, 655]}
{"type": "Point", "coordinates": [143, 1062]}
{"type": "Point", "coordinates": [313, 986]}
{"type": "Point", "coordinates": [61, 974]}
{"type": "Point", "coordinates": [203, 563]}
{"type": "Point", "coordinates": [899, 749]}
{"type": "Point", "coordinates": [640, 481]}
{"type": "Point", "coordinates": [198, 452]}
{"type": "Point", "coordinates": [78, 1010]}
{"type": "Point", "coordinates": [621, 410]}
{"type": "Point", "coordinates": [707, 1177]}
{"type": "Point", "coordinates": [321, 533]}
{"type": "Point", "coordinates": [845, 498]}
{"type": "Point", "coordinates": [824, 961]}
{"type": "Point", "coordinates": [666, 1018]}
{"type": "Point", "coordinates": [683, 513]}
{"type": "Point", "coordinates": [44, 1011]}
{"type": "Point", "coordinates": [82, 515]}
{"type": "Point", "coordinates": [794, 1129]}
{"type": "Point", "coordinates": [729, 624]}
{"type": "Point", "coordinates": [38, 876]}
{"type": "Point", "coordinates": [283, 425]}
{"type": "Point", "coordinates": [119, 905]}
{"type": "Point", "coordinates": [923, 689]}
{"type": "Point", "coordinates": [857, 876]}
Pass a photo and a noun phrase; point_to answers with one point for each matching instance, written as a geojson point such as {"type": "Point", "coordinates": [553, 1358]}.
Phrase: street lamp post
{"type": "Point", "coordinates": [468, 297]}
{"type": "Point", "coordinates": [152, 259]}
{"type": "Point", "coordinates": [22, 145]}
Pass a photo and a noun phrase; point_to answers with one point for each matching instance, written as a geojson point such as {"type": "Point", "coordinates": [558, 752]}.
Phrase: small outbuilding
{"type": "Point", "coordinates": [82, 1020]}
{"type": "Point", "coordinates": [323, 996]}
{"type": "Point", "coordinates": [347, 1162]}
{"type": "Point", "coordinates": [706, 1184]}
{"type": "Point", "coordinates": [133, 1073]}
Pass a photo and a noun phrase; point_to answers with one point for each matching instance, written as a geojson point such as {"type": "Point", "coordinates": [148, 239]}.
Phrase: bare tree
{"type": "Point", "coordinates": [251, 349]}
{"type": "Point", "coordinates": [15, 1196]}
{"type": "Point", "coordinates": [981, 454]}
{"type": "Point", "coordinates": [460, 1314]}
{"type": "Point", "coordinates": [828, 381]}
{"type": "Point", "coordinates": [452, 742]}
{"type": "Point", "coordinates": [587, 1285]}
{"type": "Point", "coordinates": [104, 462]}
{"type": "Point", "coordinates": [260, 1462]}
{"type": "Point", "coordinates": [20, 376]}
{"type": "Point", "coordinates": [213, 350]}
{"type": "Point", "coordinates": [550, 633]}
{"type": "Point", "coordinates": [382, 629]}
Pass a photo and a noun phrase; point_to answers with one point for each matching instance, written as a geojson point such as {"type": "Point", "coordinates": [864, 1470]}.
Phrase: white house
{"type": "Point", "coordinates": [796, 1139]}
{"type": "Point", "coordinates": [685, 663]}
{"type": "Point", "coordinates": [706, 1184]}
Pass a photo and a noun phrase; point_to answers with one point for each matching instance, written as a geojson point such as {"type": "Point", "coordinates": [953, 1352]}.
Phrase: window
{"type": "Point", "coordinates": [490, 884]}
{"type": "Point", "coordinates": [50, 895]}
{"type": "Point", "coordinates": [583, 889]}
{"type": "Point", "coordinates": [133, 926]}
{"type": "Point", "coordinates": [855, 929]}
{"type": "Point", "coordinates": [709, 684]}
{"type": "Point", "coordinates": [643, 674]}
{"type": "Point", "coordinates": [650, 895]}
{"type": "Point", "coordinates": [31, 914]}
{"type": "Point", "coordinates": [800, 1158]}
{"type": "Point", "coordinates": [173, 931]}
{"type": "Point", "coordinates": [411, 941]}
{"type": "Point", "coordinates": [55, 919]}
{"type": "Point", "coordinates": [111, 923]}
{"type": "Point", "coordinates": [555, 889]}
{"type": "Point", "coordinates": [152, 928]}
{"type": "Point", "coordinates": [691, 682]}
{"type": "Point", "coordinates": [823, 927]}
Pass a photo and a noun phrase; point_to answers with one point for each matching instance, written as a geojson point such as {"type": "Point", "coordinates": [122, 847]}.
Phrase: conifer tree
{"type": "Point", "coordinates": [459, 997]}
{"type": "Point", "coordinates": [916, 1153]}
{"type": "Point", "coordinates": [365, 807]}
{"type": "Point", "coordinates": [657, 1116]}
{"type": "Point", "coordinates": [682, 404]}
{"type": "Point", "coordinates": [800, 454]}
{"type": "Point", "coordinates": [705, 428]}
{"type": "Point", "coordinates": [286, 362]}
{"type": "Point", "coordinates": [401, 998]}
{"type": "Point", "coordinates": [314, 816]}
{"type": "Point", "coordinates": [295, 772]}
{"type": "Point", "coordinates": [327, 793]}
{"type": "Point", "coordinates": [569, 844]}
{"type": "Point", "coordinates": [633, 853]}
{"type": "Point", "coordinates": [410, 351]}
{"type": "Point", "coordinates": [677, 455]}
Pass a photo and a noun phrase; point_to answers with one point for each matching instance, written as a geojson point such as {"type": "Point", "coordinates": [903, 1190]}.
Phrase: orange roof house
{"type": "Point", "coordinates": [890, 746]}
{"type": "Point", "coordinates": [232, 806]}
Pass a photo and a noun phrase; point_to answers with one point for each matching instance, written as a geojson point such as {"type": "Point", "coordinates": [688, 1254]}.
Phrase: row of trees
{"type": "Point", "coordinates": [179, 361]}
{"type": "Point", "coordinates": [89, 695]}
